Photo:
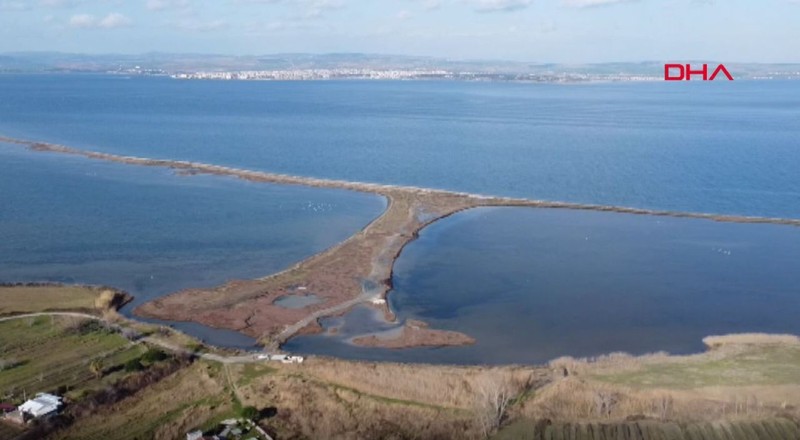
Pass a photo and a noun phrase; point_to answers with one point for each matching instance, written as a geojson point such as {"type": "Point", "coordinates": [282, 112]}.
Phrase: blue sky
{"type": "Point", "coordinates": [571, 31]}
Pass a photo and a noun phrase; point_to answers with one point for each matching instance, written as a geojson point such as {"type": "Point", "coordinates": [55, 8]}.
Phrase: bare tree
{"type": "Point", "coordinates": [604, 403]}
{"type": "Point", "coordinates": [131, 334]}
{"type": "Point", "coordinates": [8, 363]}
{"type": "Point", "coordinates": [96, 367]}
{"type": "Point", "coordinates": [493, 395]}
{"type": "Point", "coordinates": [664, 406]}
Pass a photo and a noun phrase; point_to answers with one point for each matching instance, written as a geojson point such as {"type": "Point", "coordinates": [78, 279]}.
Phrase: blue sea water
{"type": "Point", "coordinates": [150, 232]}
{"type": "Point", "coordinates": [531, 285]}
{"type": "Point", "coordinates": [722, 147]}
{"type": "Point", "coordinates": [528, 284]}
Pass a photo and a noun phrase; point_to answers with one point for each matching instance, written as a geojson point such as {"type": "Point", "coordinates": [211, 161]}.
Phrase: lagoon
{"type": "Point", "coordinates": [535, 284]}
{"type": "Point", "coordinates": [150, 232]}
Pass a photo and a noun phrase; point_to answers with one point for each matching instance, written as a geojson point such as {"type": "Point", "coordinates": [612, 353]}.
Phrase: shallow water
{"type": "Point", "coordinates": [215, 336]}
{"type": "Point", "coordinates": [150, 232]}
{"type": "Point", "coordinates": [297, 301]}
{"type": "Point", "coordinates": [535, 284]}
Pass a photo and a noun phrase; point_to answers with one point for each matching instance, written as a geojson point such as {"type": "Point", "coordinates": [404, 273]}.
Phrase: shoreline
{"type": "Point", "coordinates": [744, 383]}
{"type": "Point", "coordinates": [355, 271]}
{"type": "Point", "coordinates": [191, 168]}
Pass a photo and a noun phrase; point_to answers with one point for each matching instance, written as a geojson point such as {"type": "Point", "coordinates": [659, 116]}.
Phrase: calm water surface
{"type": "Point", "coordinates": [150, 232]}
{"type": "Point", "coordinates": [707, 147]}
{"type": "Point", "coordinates": [534, 284]}
{"type": "Point", "coordinates": [528, 284]}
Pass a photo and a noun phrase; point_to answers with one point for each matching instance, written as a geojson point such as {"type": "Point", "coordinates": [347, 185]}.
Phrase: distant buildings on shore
{"type": "Point", "coordinates": [413, 74]}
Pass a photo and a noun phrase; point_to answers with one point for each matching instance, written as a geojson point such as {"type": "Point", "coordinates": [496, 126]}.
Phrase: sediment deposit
{"type": "Point", "coordinates": [356, 271]}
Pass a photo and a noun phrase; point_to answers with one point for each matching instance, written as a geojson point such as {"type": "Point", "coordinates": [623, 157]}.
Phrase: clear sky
{"type": "Point", "coordinates": [569, 31]}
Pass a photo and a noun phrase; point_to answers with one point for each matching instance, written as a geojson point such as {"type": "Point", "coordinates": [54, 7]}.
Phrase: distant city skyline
{"type": "Point", "coordinates": [561, 31]}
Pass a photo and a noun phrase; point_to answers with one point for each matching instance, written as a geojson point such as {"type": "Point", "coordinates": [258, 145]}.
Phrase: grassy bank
{"type": "Point", "coordinates": [744, 387]}
{"type": "Point", "coordinates": [36, 298]}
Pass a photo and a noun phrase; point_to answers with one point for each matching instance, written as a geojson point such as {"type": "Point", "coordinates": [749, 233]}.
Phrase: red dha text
{"type": "Point", "coordinates": [681, 72]}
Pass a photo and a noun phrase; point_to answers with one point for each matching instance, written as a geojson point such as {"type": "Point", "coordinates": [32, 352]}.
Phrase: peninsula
{"type": "Point", "coordinates": [356, 271]}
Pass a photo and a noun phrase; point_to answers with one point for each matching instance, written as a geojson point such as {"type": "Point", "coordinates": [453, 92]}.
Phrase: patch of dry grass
{"type": "Point", "coordinates": [46, 298]}
{"type": "Point", "coordinates": [750, 339]}
{"type": "Point", "coordinates": [750, 376]}
{"type": "Point", "coordinates": [9, 430]}
{"type": "Point", "coordinates": [767, 429]}
{"type": "Point", "coordinates": [444, 386]}
{"type": "Point", "coordinates": [726, 366]}
{"type": "Point", "coordinates": [308, 407]}
{"type": "Point", "coordinates": [32, 299]}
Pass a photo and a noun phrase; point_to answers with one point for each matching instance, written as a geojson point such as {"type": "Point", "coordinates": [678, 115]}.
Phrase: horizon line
{"type": "Point", "coordinates": [389, 54]}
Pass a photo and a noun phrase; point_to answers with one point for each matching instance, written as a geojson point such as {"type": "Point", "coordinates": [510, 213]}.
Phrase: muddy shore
{"type": "Point", "coordinates": [413, 334]}
{"type": "Point", "coordinates": [356, 271]}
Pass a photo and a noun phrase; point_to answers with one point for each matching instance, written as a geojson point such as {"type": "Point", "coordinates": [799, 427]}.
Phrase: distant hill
{"type": "Point", "coordinates": [171, 63]}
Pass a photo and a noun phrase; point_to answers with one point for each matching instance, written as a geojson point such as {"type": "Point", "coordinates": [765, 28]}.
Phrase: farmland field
{"type": "Point", "coordinates": [168, 409]}
{"type": "Point", "coordinates": [735, 430]}
{"type": "Point", "coordinates": [56, 353]}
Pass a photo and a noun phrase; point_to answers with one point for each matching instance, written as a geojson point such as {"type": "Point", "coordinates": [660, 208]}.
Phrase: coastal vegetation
{"type": "Point", "coordinates": [128, 379]}
{"type": "Point", "coordinates": [744, 386]}
{"type": "Point", "coordinates": [356, 271]}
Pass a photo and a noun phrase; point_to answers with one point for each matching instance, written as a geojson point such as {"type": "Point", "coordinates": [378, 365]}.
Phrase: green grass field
{"type": "Point", "coordinates": [45, 354]}
{"type": "Point", "coordinates": [755, 365]}
{"type": "Point", "coordinates": [181, 402]}
{"type": "Point", "coordinates": [31, 299]}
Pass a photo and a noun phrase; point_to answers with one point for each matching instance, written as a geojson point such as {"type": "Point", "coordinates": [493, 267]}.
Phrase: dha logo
{"type": "Point", "coordinates": [681, 72]}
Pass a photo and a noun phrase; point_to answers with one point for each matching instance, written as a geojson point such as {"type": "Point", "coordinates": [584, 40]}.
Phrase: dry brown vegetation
{"type": "Point", "coordinates": [313, 409]}
{"type": "Point", "coordinates": [743, 376]}
{"type": "Point", "coordinates": [658, 391]}
{"type": "Point", "coordinates": [337, 274]}
{"type": "Point", "coordinates": [414, 334]}
{"type": "Point", "coordinates": [336, 399]}
{"type": "Point", "coordinates": [750, 339]}
{"type": "Point", "coordinates": [327, 398]}
{"type": "Point", "coordinates": [767, 429]}
{"type": "Point", "coordinates": [436, 385]}
{"type": "Point", "coordinates": [165, 410]}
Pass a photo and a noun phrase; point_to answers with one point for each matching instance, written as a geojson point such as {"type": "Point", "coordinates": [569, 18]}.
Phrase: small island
{"type": "Point", "coordinates": [413, 334]}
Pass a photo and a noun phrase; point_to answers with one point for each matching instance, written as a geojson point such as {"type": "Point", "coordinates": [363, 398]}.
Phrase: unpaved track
{"type": "Point", "coordinates": [238, 359]}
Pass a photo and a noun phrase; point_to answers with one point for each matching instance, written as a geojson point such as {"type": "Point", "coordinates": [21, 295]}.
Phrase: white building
{"type": "Point", "coordinates": [194, 435]}
{"type": "Point", "coordinates": [287, 359]}
{"type": "Point", "coordinates": [41, 406]}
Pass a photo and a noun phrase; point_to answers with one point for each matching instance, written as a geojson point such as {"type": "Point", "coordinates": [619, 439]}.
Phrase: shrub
{"type": "Point", "coordinates": [89, 326]}
{"type": "Point", "coordinates": [133, 365]}
{"type": "Point", "coordinates": [154, 355]}
{"type": "Point", "coordinates": [7, 364]}
{"type": "Point", "coordinates": [249, 413]}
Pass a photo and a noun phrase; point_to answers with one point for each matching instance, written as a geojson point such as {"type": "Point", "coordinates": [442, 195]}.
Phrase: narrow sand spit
{"type": "Point", "coordinates": [356, 271]}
